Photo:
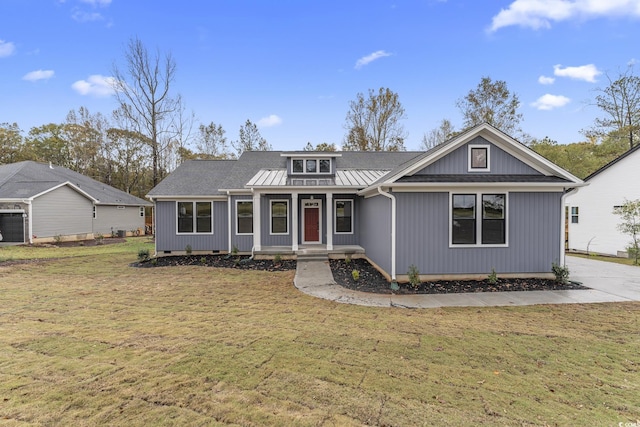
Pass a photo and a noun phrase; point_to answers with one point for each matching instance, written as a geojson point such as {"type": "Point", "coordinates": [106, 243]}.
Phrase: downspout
{"type": "Point", "coordinates": [229, 220]}
{"type": "Point", "coordinates": [30, 210]}
{"type": "Point", "coordinates": [393, 231]}
{"type": "Point", "coordinates": [563, 226]}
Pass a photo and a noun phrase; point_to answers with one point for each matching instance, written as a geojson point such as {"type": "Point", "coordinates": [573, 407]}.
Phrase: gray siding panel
{"type": "Point", "coordinates": [374, 229]}
{"type": "Point", "coordinates": [456, 162]}
{"type": "Point", "coordinates": [168, 240]}
{"type": "Point", "coordinates": [110, 218]}
{"type": "Point", "coordinates": [423, 236]}
{"type": "Point", "coordinates": [62, 211]}
{"type": "Point", "coordinates": [267, 239]}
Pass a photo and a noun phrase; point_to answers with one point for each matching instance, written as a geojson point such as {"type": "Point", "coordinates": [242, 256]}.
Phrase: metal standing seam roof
{"type": "Point", "coordinates": [359, 178]}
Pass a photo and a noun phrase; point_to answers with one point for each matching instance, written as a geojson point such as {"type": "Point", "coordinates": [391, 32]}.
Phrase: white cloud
{"type": "Point", "coordinates": [81, 16]}
{"type": "Point", "coordinates": [538, 14]}
{"type": "Point", "coordinates": [544, 80]}
{"type": "Point", "coordinates": [370, 58]}
{"type": "Point", "coordinates": [6, 48]}
{"type": "Point", "coordinates": [95, 85]}
{"type": "Point", "coordinates": [97, 2]}
{"type": "Point", "coordinates": [549, 102]}
{"type": "Point", "coordinates": [587, 72]}
{"type": "Point", "coordinates": [269, 121]}
{"type": "Point", "coordinates": [38, 75]}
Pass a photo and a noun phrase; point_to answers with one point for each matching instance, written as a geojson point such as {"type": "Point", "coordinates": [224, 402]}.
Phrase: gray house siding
{"type": "Point", "coordinates": [267, 239]}
{"type": "Point", "coordinates": [423, 236]}
{"type": "Point", "coordinates": [167, 238]}
{"type": "Point", "coordinates": [110, 218]}
{"type": "Point", "coordinates": [243, 242]}
{"type": "Point", "coordinates": [456, 162]}
{"type": "Point", "coordinates": [63, 212]}
{"type": "Point", "coordinates": [374, 229]}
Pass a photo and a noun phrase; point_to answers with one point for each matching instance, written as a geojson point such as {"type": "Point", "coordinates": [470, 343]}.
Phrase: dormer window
{"type": "Point", "coordinates": [311, 166]}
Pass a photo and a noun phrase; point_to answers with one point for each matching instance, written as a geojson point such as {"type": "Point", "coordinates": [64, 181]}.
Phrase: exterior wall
{"type": "Point", "coordinates": [374, 229]}
{"type": "Point", "coordinates": [265, 216]}
{"type": "Point", "coordinates": [596, 230]}
{"type": "Point", "coordinates": [243, 242]}
{"type": "Point", "coordinates": [346, 239]}
{"type": "Point", "coordinates": [500, 162]}
{"type": "Point", "coordinates": [62, 212]}
{"type": "Point", "coordinates": [111, 219]}
{"type": "Point", "coordinates": [534, 236]}
{"type": "Point", "coordinates": [167, 238]}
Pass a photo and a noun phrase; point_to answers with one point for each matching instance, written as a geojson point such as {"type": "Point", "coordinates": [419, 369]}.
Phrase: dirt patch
{"type": "Point", "coordinates": [243, 262]}
{"type": "Point", "coordinates": [370, 280]}
{"type": "Point", "coordinates": [91, 242]}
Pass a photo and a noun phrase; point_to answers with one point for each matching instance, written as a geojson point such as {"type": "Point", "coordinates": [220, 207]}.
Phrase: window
{"type": "Point", "coordinates": [194, 217]}
{"type": "Point", "coordinates": [244, 210]}
{"type": "Point", "coordinates": [575, 213]}
{"type": "Point", "coordinates": [310, 166]}
{"type": "Point", "coordinates": [478, 158]}
{"type": "Point", "coordinates": [297, 166]}
{"type": "Point", "coordinates": [344, 216]}
{"type": "Point", "coordinates": [325, 166]}
{"type": "Point", "coordinates": [142, 211]}
{"type": "Point", "coordinates": [466, 225]}
{"type": "Point", "coordinates": [279, 217]}
{"type": "Point", "coordinates": [95, 212]}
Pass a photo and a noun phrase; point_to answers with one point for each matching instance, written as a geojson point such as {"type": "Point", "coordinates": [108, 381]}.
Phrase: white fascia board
{"type": "Point", "coordinates": [16, 200]}
{"type": "Point", "coordinates": [515, 186]}
{"type": "Point", "coordinates": [236, 191]}
{"type": "Point", "coordinates": [187, 198]}
{"type": "Point", "coordinates": [308, 189]}
{"type": "Point", "coordinates": [311, 154]}
{"type": "Point", "coordinates": [73, 187]}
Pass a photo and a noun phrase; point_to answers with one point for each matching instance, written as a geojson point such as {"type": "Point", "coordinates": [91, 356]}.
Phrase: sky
{"type": "Point", "coordinates": [292, 67]}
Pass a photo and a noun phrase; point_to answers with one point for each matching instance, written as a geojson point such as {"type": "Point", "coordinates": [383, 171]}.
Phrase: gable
{"type": "Point", "coordinates": [457, 161]}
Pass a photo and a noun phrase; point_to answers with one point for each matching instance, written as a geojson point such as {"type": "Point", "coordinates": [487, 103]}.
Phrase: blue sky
{"type": "Point", "coordinates": [293, 66]}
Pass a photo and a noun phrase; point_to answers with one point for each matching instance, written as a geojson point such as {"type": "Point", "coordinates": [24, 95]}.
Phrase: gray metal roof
{"type": "Point", "coordinates": [24, 180]}
{"type": "Point", "coordinates": [357, 178]}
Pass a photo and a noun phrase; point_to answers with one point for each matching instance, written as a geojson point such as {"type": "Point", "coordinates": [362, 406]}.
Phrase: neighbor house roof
{"type": "Point", "coordinates": [614, 161]}
{"type": "Point", "coordinates": [29, 179]}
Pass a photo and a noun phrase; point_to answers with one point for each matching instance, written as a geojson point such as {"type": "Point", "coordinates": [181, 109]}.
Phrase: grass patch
{"type": "Point", "coordinates": [87, 340]}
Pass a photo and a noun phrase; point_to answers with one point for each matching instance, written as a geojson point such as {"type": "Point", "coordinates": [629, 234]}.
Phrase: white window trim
{"type": "Point", "coordinates": [478, 218]}
{"type": "Point", "coordinates": [271, 217]}
{"type": "Point", "coordinates": [304, 166]}
{"type": "Point", "coordinates": [194, 219]}
{"type": "Point", "coordinates": [252, 213]}
{"type": "Point", "coordinates": [469, 150]}
{"type": "Point", "coordinates": [335, 215]}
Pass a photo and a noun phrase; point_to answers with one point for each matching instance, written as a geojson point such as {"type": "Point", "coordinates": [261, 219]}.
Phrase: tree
{"type": "Point", "coordinates": [11, 143]}
{"type": "Point", "coordinates": [491, 102]}
{"type": "Point", "coordinates": [323, 146]}
{"type": "Point", "coordinates": [629, 213]}
{"type": "Point", "coordinates": [250, 139]}
{"type": "Point", "coordinates": [129, 153]}
{"type": "Point", "coordinates": [373, 123]}
{"type": "Point", "coordinates": [86, 135]}
{"type": "Point", "coordinates": [437, 136]}
{"type": "Point", "coordinates": [143, 91]}
{"type": "Point", "coordinates": [212, 142]}
{"type": "Point", "coordinates": [620, 103]}
{"type": "Point", "coordinates": [48, 143]}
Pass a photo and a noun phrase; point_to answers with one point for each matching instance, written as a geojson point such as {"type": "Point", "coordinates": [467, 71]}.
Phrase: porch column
{"type": "Point", "coordinates": [257, 245]}
{"type": "Point", "coordinates": [294, 222]}
{"type": "Point", "coordinates": [329, 221]}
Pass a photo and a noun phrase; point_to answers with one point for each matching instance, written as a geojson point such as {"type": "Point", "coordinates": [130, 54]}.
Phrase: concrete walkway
{"type": "Point", "coordinates": [608, 282]}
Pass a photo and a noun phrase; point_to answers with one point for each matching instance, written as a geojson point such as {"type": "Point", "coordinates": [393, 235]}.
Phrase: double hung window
{"type": "Point", "coordinates": [195, 217]}
{"type": "Point", "coordinates": [244, 211]}
{"type": "Point", "coordinates": [279, 217]}
{"type": "Point", "coordinates": [478, 219]}
{"type": "Point", "coordinates": [344, 216]}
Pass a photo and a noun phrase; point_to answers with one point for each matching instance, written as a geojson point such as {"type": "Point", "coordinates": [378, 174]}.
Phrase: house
{"type": "Point", "coordinates": [40, 202]}
{"type": "Point", "coordinates": [477, 202]}
{"type": "Point", "coordinates": [592, 225]}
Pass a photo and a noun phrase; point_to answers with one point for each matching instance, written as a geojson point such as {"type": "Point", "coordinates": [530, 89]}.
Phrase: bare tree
{"type": "Point", "coordinates": [491, 102]}
{"type": "Point", "coordinates": [250, 139]}
{"type": "Point", "coordinates": [437, 136]}
{"type": "Point", "coordinates": [212, 142]}
{"type": "Point", "coordinates": [323, 146]}
{"type": "Point", "coordinates": [143, 91]}
{"type": "Point", "coordinates": [620, 102]}
{"type": "Point", "coordinates": [373, 123]}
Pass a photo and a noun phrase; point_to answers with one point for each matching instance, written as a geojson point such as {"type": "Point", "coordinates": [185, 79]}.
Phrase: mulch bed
{"type": "Point", "coordinates": [371, 280]}
{"type": "Point", "coordinates": [242, 262]}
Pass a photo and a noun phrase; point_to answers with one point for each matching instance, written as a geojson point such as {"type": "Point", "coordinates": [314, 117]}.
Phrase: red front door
{"type": "Point", "coordinates": [312, 224]}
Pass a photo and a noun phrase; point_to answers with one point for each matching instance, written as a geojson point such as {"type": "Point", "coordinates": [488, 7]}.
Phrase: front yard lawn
{"type": "Point", "coordinates": [87, 340]}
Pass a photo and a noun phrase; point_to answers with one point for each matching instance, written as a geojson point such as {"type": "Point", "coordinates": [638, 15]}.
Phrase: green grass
{"type": "Point", "coordinates": [87, 340]}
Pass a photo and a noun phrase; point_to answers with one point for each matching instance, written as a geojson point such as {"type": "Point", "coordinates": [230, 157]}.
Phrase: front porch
{"type": "Point", "coordinates": [287, 252]}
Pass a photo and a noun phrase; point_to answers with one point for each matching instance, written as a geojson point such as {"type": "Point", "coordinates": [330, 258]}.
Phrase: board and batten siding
{"type": "Point", "coordinates": [62, 212]}
{"type": "Point", "coordinates": [500, 162]}
{"type": "Point", "coordinates": [243, 242]}
{"type": "Point", "coordinates": [111, 219]}
{"type": "Point", "coordinates": [167, 238]}
{"type": "Point", "coordinates": [374, 228]}
{"type": "Point", "coordinates": [534, 236]}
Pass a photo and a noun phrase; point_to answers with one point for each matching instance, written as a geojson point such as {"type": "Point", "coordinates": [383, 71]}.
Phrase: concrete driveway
{"type": "Point", "coordinates": [617, 280]}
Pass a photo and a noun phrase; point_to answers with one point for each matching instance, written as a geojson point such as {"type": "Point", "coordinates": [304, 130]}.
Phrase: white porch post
{"type": "Point", "coordinates": [257, 244]}
{"type": "Point", "coordinates": [329, 221]}
{"type": "Point", "coordinates": [294, 221]}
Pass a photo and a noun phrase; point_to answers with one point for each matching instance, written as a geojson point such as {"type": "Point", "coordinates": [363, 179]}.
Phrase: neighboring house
{"type": "Point", "coordinates": [478, 202]}
{"type": "Point", "coordinates": [592, 225]}
{"type": "Point", "coordinates": [40, 202]}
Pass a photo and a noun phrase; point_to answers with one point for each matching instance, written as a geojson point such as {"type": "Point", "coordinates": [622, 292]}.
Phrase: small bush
{"type": "Point", "coordinates": [493, 277]}
{"type": "Point", "coordinates": [154, 261]}
{"type": "Point", "coordinates": [143, 254]}
{"type": "Point", "coordinates": [234, 251]}
{"type": "Point", "coordinates": [277, 259]}
{"type": "Point", "coordinates": [414, 276]}
{"type": "Point", "coordinates": [356, 275]}
{"type": "Point", "coordinates": [347, 260]}
{"type": "Point", "coordinates": [188, 249]}
{"type": "Point", "coordinates": [57, 238]}
{"type": "Point", "coordinates": [203, 260]}
{"type": "Point", "coordinates": [561, 272]}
